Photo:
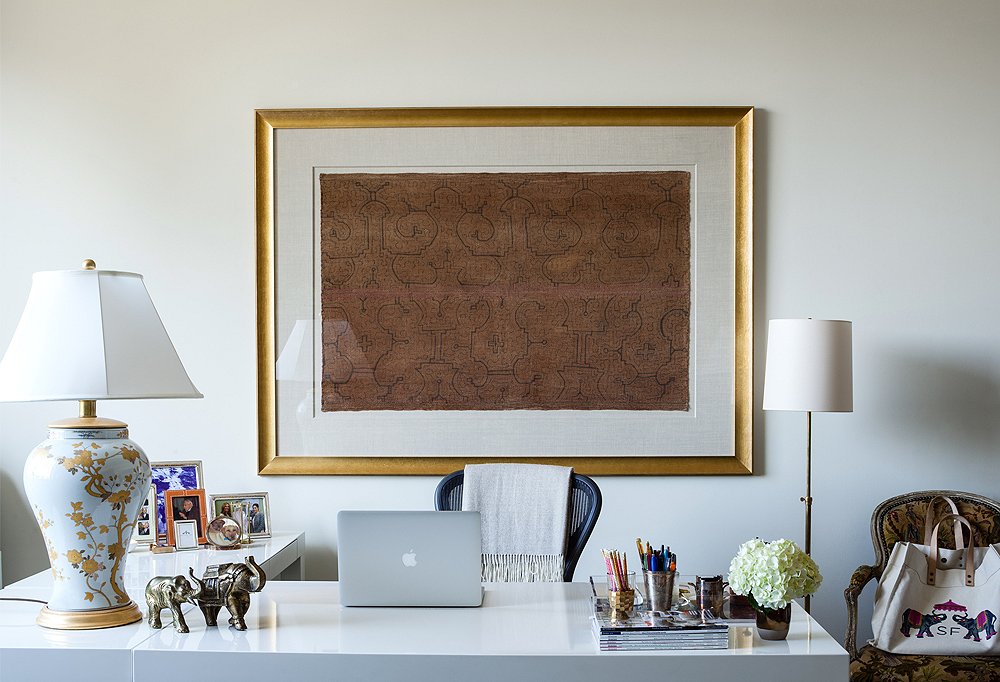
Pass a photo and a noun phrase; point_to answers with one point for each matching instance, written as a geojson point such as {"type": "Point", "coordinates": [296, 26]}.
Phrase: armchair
{"type": "Point", "coordinates": [901, 519]}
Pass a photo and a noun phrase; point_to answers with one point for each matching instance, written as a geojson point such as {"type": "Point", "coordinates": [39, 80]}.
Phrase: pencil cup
{"type": "Point", "coordinates": [621, 603]}
{"type": "Point", "coordinates": [659, 589]}
{"type": "Point", "coordinates": [622, 599]}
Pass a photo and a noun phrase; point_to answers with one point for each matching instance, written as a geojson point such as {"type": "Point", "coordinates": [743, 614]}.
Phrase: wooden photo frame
{"type": "Point", "coordinates": [347, 199]}
{"type": "Point", "coordinates": [186, 505]}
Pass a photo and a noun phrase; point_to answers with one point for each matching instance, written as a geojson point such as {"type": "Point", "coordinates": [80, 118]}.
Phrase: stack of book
{"type": "Point", "coordinates": [651, 630]}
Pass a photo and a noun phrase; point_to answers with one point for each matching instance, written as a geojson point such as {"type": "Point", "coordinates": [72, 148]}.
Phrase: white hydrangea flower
{"type": "Point", "coordinates": [774, 573]}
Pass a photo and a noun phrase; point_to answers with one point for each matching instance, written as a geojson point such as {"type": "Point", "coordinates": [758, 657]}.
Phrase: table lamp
{"type": "Point", "coordinates": [809, 369]}
{"type": "Point", "coordinates": [89, 335]}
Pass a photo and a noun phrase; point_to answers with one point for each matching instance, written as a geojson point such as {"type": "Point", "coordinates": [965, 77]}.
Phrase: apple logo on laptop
{"type": "Point", "coordinates": [410, 559]}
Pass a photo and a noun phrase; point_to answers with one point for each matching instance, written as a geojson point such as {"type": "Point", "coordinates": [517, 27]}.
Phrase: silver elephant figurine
{"type": "Point", "coordinates": [165, 592]}
{"type": "Point", "coordinates": [228, 585]}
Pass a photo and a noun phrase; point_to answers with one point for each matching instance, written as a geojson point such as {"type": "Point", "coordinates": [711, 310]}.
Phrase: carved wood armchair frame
{"type": "Point", "coordinates": [901, 519]}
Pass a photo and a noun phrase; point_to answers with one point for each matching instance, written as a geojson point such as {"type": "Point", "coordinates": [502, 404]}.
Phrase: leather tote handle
{"type": "Point", "coordinates": [970, 566]}
{"type": "Point", "coordinates": [929, 521]}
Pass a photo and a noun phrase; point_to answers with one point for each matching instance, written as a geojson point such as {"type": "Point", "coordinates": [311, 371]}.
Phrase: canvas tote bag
{"type": "Point", "coordinates": [939, 602]}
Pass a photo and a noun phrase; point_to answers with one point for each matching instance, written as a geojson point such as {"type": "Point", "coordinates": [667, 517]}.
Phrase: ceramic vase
{"type": "Point", "coordinates": [772, 624]}
{"type": "Point", "coordinates": [85, 487]}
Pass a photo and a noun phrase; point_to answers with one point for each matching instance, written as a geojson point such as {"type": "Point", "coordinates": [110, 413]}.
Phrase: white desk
{"type": "Point", "coordinates": [522, 632]}
{"type": "Point", "coordinates": [280, 556]}
{"type": "Point", "coordinates": [30, 652]}
{"type": "Point", "coordinates": [298, 630]}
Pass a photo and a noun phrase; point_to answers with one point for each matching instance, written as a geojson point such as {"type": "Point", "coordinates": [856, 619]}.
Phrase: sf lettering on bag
{"type": "Point", "coordinates": [935, 623]}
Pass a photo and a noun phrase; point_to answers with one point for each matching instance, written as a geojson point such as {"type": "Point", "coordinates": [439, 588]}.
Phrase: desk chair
{"type": "Point", "coordinates": [901, 519]}
{"type": "Point", "coordinates": [584, 508]}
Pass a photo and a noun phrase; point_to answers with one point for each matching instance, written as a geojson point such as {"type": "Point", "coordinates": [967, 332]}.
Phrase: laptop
{"type": "Point", "coordinates": [409, 558]}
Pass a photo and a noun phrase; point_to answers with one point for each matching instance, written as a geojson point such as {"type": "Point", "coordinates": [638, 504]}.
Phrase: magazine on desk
{"type": "Point", "coordinates": [647, 630]}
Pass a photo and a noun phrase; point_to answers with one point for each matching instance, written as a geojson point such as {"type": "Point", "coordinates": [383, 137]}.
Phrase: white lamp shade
{"type": "Point", "coordinates": [809, 366]}
{"type": "Point", "coordinates": [91, 335]}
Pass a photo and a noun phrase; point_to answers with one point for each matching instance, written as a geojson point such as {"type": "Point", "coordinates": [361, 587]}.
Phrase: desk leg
{"type": "Point", "coordinates": [295, 571]}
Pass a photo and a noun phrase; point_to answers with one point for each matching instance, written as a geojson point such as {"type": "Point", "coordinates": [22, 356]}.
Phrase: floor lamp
{"type": "Point", "coordinates": [809, 369]}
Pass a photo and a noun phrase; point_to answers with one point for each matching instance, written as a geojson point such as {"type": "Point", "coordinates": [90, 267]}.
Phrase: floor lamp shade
{"type": "Point", "coordinates": [89, 335]}
{"type": "Point", "coordinates": [809, 366]}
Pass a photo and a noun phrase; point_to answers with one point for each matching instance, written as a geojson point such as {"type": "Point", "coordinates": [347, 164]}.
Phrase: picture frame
{"type": "Point", "coordinates": [186, 505]}
{"type": "Point", "coordinates": [258, 522]}
{"type": "Point", "coordinates": [145, 524]}
{"type": "Point", "coordinates": [185, 535]}
{"type": "Point", "coordinates": [294, 147]}
{"type": "Point", "coordinates": [224, 532]}
{"type": "Point", "coordinates": [173, 475]}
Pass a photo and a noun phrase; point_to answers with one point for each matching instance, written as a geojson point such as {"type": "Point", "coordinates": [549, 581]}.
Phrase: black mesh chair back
{"type": "Point", "coordinates": [584, 508]}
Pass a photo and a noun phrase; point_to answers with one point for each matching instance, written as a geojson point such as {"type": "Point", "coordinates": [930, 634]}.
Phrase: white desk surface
{"type": "Point", "coordinates": [30, 652]}
{"type": "Point", "coordinates": [534, 631]}
{"type": "Point", "coordinates": [276, 555]}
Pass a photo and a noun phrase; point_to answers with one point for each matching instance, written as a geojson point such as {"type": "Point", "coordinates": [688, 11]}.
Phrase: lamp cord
{"type": "Point", "coordinates": [37, 601]}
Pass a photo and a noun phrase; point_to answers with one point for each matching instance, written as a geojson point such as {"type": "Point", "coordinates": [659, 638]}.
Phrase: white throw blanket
{"type": "Point", "coordinates": [524, 509]}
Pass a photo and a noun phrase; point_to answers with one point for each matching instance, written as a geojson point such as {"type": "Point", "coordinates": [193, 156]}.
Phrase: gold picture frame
{"type": "Point", "coordinates": [734, 124]}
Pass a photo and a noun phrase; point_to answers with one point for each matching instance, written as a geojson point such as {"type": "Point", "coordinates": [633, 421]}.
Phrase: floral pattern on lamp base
{"type": "Point", "coordinates": [85, 487]}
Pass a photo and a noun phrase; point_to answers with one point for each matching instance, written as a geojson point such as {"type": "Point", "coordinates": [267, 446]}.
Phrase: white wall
{"type": "Point", "coordinates": [126, 137]}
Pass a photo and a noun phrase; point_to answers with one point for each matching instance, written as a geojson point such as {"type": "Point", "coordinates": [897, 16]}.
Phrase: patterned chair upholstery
{"type": "Point", "coordinates": [899, 519]}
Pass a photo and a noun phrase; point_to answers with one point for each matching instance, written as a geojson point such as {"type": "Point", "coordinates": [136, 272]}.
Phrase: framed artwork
{"type": "Point", "coordinates": [185, 535]}
{"type": "Point", "coordinates": [569, 286]}
{"type": "Point", "coordinates": [145, 524]}
{"type": "Point", "coordinates": [173, 476]}
{"type": "Point", "coordinates": [250, 509]}
{"type": "Point", "coordinates": [186, 505]}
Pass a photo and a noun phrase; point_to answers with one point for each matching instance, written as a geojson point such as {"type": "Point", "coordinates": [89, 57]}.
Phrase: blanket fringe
{"type": "Point", "coordinates": [523, 568]}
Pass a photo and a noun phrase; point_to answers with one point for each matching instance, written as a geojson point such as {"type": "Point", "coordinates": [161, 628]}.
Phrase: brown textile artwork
{"type": "Point", "coordinates": [500, 291]}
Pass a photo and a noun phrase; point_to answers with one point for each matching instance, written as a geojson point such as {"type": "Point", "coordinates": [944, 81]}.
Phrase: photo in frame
{"type": "Point", "coordinates": [255, 507]}
{"type": "Point", "coordinates": [554, 285]}
{"type": "Point", "coordinates": [185, 534]}
{"type": "Point", "coordinates": [224, 532]}
{"type": "Point", "coordinates": [145, 524]}
{"type": "Point", "coordinates": [183, 475]}
{"type": "Point", "coordinates": [186, 505]}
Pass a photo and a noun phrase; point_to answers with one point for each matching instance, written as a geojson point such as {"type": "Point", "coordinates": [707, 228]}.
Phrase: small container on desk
{"type": "Point", "coordinates": [709, 593]}
{"type": "Point", "coordinates": [659, 589]}
{"type": "Point", "coordinates": [622, 600]}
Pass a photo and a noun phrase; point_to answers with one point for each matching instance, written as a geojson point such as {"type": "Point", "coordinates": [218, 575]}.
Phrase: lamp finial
{"type": "Point", "coordinates": [89, 264]}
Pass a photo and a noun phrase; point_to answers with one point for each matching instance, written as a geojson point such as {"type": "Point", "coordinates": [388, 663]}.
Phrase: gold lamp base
{"type": "Point", "coordinates": [89, 620]}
